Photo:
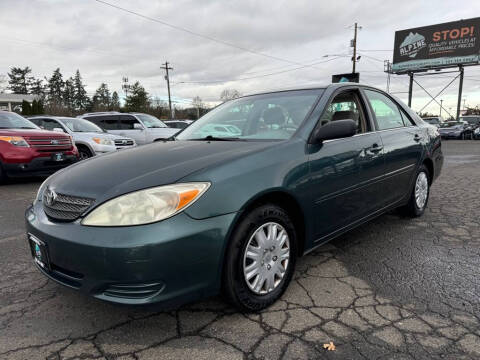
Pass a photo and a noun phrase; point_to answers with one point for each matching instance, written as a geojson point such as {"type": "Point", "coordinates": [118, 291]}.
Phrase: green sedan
{"type": "Point", "coordinates": [217, 211]}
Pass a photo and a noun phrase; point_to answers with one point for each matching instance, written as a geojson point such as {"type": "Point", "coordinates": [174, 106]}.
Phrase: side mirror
{"type": "Point", "coordinates": [138, 126]}
{"type": "Point", "coordinates": [58, 130]}
{"type": "Point", "coordinates": [334, 130]}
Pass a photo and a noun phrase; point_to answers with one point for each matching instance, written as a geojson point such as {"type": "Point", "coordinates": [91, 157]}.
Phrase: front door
{"type": "Point", "coordinates": [345, 173]}
{"type": "Point", "coordinates": [131, 127]}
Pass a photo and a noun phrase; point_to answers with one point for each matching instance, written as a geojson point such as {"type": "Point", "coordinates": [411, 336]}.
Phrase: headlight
{"type": "Point", "coordinates": [102, 141]}
{"type": "Point", "coordinates": [40, 191]}
{"type": "Point", "coordinates": [15, 140]}
{"type": "Point", "coordinates": [146, 206]}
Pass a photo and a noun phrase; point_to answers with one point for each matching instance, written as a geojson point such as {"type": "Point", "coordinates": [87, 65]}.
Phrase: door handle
{"type": "Point", "coordinates": [374, 149]}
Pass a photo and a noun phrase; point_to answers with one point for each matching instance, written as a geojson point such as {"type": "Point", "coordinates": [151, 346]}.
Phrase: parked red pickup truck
{"type": "Point", "coordinates": [27, 150]}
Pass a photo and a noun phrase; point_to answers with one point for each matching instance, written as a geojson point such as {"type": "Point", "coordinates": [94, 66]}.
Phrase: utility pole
{"type": "Point", "coordinates": [441, 105]}
{"type": "Point", "coordinates": [354, 45]}
{"type": "Point", "coordinates": [125, 85]}
{"type": "Point", "coordinates": [167, 77]}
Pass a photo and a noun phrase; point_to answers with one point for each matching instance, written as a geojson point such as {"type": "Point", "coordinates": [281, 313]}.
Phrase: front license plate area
{"type": "Point", "coordinates": [58, 157]}
{"type": "Point", "coordinates": [39, 252]}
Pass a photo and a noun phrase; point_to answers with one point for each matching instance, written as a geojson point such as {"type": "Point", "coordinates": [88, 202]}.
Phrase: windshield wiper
{"type": "Point", "coordinates": [214, 138]}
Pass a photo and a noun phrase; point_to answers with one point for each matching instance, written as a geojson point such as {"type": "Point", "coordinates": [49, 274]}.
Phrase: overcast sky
{"type": "Point", "coordinates": [106, 43]}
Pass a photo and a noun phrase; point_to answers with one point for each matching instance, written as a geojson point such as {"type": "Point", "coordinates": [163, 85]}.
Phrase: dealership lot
{"type": "Point", "coordinates": [393, 288]}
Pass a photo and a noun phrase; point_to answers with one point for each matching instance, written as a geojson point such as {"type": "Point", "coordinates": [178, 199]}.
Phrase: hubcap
{"type": "Point", "coordinates": [421, 190]}
{"type": "Point", "coordinates": [266, 258]}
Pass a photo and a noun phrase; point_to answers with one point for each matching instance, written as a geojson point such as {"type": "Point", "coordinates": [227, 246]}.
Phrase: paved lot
{"type": "Point", "coordinates": [392, 289]}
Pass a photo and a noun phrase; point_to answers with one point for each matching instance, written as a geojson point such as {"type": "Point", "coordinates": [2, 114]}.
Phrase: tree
{"type": "Point", "coordinates": [80, 97]}
{"type": "Point", "coordinates": [69, 95]}
{"type": "Point", "coordinates": [229, 94]}
{"type": "Point", "coordinates": [3, 83]}
{"type": "Point", "coordinates": [197, 103]}
{"type": "Point", "coordinates": [102, 98]}
{"type": "Point", "coordinates": [37, 88]}
{"type": "Point", "coordinates": [56, 87]}
{"type": "Point", "coordinates": [138, 99]}
{"type": "Point", "coordinates": [115, 102]}
{"type": "Point", "coordinates": [20, 80]}
{"type": "Point", "coordinates": [26, 108]}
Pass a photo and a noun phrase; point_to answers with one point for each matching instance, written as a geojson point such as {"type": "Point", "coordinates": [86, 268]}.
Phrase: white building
{"type": "Point", "coordinates": [11, 101]}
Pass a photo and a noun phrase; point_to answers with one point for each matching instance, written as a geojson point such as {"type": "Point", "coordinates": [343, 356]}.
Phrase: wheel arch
{"type": "Point", "coordinates": [286, 201]}
{"type": "Point", "coordinates": [430, 167]}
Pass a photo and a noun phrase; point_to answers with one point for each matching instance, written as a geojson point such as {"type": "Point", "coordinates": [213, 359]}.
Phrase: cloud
{"type": "Point", "coordinates": [107, 44]}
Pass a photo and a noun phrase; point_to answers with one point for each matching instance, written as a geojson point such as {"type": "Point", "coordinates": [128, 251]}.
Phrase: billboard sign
{"type": "Point", "coordinates": [349, 77]}
{"type": "Point", "coordinates": [437, 46]}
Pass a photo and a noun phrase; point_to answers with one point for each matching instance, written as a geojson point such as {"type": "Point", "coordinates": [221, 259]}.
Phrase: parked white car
{"type": "Point", "coordinates": [143, 128]}
{"type": "Point", "coordinates": [88, 137]}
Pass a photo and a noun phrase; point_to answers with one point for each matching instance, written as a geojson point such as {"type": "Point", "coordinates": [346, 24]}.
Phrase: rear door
{"type": "Point", "coordinates": [127, 128]}
{"type": "Point", "coordinates": [402, 142]}
{"type": "Point", "coordinates": [345, 173]}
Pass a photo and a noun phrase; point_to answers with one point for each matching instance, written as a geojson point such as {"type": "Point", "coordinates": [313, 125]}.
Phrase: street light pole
{"type": "Point", "coordinates": [441, 105]}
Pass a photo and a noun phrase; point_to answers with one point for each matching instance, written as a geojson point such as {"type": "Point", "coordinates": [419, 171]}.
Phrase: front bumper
{"type": "Point", "coordinates": [173, 261]}
{"type": "Point", "coordinates": [40, 166]}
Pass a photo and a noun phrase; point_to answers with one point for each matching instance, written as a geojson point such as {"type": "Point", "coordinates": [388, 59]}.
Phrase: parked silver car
{"type": "Point", "coordinates": [88, 137]}
{"type": "Point", "coordinates": [143, 128]}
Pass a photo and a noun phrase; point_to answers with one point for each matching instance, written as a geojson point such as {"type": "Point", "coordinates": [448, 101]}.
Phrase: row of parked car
{"type": "Point", "coordinates": [40, 145]}
{"type": "Point", "coordinates": [467, 127]}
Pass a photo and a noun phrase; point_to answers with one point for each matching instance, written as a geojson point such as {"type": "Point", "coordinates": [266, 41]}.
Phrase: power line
{"type": "Point", "coordinates": [191, 32]}
{"type": "Point", "coordinates": [255, 77]}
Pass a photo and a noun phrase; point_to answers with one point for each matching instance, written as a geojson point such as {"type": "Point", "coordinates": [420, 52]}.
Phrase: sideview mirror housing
{"type": "Point", "coordinates": [334, 130]}
{"type": "Point", "coordinates": [58, 130]}
{"type": "Point", "coordinates": [138, 126]}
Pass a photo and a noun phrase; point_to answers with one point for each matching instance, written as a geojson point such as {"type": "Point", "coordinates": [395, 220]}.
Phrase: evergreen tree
{"type": "Point", "coordinates": [37, 88]}
{"type": "Point", "coordinates": [34, 107]}
{"type": "Point", "coordinates": [102, 98]}
{"type": "Point", "coordinates": [40, 109]}
{"type": "Point", "coordinates": [137, 99]}
{"type": "Point", "coordinates": [56, 87]}
{"type": "Point", "coordinates": [69, 95]}
{"type": "Point", "coordinates": [80, 97]}
{"type": "Point", "coordinates": [26, 108]}
{"type": "Point", "coordinates": [20, 80]}
{"type": "Point", "coordinates": [115, 103]}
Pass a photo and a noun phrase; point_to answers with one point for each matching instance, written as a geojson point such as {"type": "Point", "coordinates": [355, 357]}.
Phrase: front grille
{"type": "Point", "coordinates": [49, 143]}
{"type": "Point", "coordinates": [65, 207]}
{"type": "Point", "coordinates": [123, 142]}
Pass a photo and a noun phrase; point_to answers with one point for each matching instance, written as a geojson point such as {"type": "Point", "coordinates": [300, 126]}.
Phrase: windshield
{"type": "Point", "coordinates": [274, 116]}
{"type": "Point", "coordinates": [452, 124]}
{"type": "Point", "coordinates": [432, 121]}
{"type": "Point", "coordinates": [9, 120]}
{"type": "Point", "coordinates": [470, 119]}
{"type": "Point", "coordinates": [150, 121]}
{"type": "Point", "coordinates": [80, 125]}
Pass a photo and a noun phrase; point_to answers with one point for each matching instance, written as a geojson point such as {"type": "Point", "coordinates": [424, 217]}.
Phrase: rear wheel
{"type": "Point", "coordinates": [419, 194]}
{"type": "Point", "coordinates": [260, 258]}
{"type": "Point", "coordinates": [84, 152]}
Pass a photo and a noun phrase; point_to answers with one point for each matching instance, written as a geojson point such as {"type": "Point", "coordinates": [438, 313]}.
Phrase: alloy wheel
{"type": "Point", "coordinates": [266, 258]}
{"type": "Point", "coordinates": [421, 190]}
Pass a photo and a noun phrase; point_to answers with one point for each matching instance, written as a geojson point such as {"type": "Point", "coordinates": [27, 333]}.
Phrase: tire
{"type": "Point", "coordinates": [84, 152]}
{"type": "Point", "coordinates": [462, 136]}
{"type": "Point", "coordinates": [249, 295]}
{"type": "Point", "coordinates": [414, 208]}
{"type": "Point", "coordinates": [3, 175]}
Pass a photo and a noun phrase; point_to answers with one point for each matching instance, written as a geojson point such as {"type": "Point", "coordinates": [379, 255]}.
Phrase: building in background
{"type": "Point", "coordinates": [13, 102]}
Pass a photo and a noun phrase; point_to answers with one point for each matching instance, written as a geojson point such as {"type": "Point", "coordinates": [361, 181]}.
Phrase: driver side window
{"type": "Point", "coordinates": [345, 105]}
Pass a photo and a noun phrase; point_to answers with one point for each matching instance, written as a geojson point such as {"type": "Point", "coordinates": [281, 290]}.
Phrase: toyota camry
{"type": "Point", "coordinates": [230, 203]}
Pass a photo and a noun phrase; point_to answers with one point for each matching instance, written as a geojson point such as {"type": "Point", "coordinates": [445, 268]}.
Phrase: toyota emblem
{"type": "Point", "coordinates": [50, 197]}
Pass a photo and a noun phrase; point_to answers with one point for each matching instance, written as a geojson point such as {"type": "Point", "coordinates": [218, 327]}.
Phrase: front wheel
{"type": "Point", "coordinates": [419, 194]}
{"type": "Point", "coordinates": [3, 175]}
{"type": "Point", "coordinates": [260, 258]}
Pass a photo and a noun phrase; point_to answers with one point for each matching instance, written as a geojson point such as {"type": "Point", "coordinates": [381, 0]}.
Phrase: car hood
{"type": "Point", "coordinates": [160, 163]}
{"type": "Point", "coordinates": [32, 132]}
{"type": "Point", "coordinates": [164, 130]}
{"type": "Point", "coordinates": [449, 129]}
